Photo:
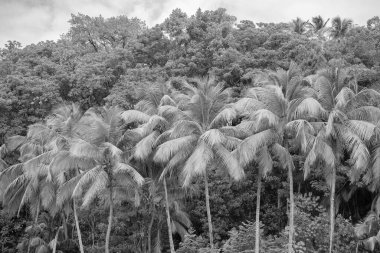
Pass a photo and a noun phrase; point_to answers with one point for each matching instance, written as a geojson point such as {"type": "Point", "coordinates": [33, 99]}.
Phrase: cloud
{"type": "Point", "coordinates": [31, 21]}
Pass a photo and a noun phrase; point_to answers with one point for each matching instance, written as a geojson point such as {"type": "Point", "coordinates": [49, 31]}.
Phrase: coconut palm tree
{"type": "Point", "coordinates": [318, 23]}
{"type": "Point", "coordinates": [64, 120]}
{"type": "Point", "coordinates": [339, 27]}
{"type": "Point", "coordinates": [299, 26]}
{"type": "Point", "coordinates": [278, 107]}
{"type": "Point", "coordinates": [342, 128]}
{"type": "Point", "coordinates": [154, 114]}
{"type": "Point", "coordinates": [111, 179]}
{"type": "Point", "coordinates": [202, 138]}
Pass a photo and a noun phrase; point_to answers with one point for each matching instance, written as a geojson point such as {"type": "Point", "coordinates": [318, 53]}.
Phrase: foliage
{"type": "Point", "coordinates": [197, 95]}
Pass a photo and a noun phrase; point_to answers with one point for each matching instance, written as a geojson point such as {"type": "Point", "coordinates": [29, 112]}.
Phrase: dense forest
{"type": "Point", "coordinates": [200, 134]}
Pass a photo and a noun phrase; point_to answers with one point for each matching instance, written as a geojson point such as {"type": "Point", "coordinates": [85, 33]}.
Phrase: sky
{"type": "Point", "coordinates": [31, 21]}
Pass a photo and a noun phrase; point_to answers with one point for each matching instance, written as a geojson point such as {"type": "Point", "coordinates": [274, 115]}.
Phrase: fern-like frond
{"type": "Point", "coordinates": [125, 169]}
{"type": "Point", "coordinates": [197, 163]}
{"type": "Point", "coordinates": [99, 184]}
{"type": "Point", "coordinates": [213, 137]}
{"type": "Point", "coordinates": [248, 148]}
{"type": "Point", "coordinates": [166, 150]}
{"type": "Point", "coordinates": [144, 148]}
{"type": "Point", "coordinates": [184, 128]}
{"type": "Point", "coordinates": [134, 116]}
{"type": "Point", "coordinates": [228, 162]}
{"type": "Point", "coordinates": [88, 177]}
{"type": "Point", "coordinates": [309, 108]}
{"type": "Point", "coordinates": [224, 117]}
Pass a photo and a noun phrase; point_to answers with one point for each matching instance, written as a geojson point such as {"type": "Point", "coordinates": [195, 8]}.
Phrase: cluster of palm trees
{"type": "Point", "coordinates": [318, 25]}
{"type": "Point", "coordinates": [178, 132]}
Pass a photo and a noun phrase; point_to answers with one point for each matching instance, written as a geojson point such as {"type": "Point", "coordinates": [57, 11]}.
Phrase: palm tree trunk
{"type": "Point", "coordinates": [208, 211]}
{"type": "Point", "coordinates": [257, 236]}
{"type": "Point", "coordinates": [291, 215]}
{"type": "Point", "coordinates": [168, 218]}
{"type": "Point", "coordinates": [332, 211]}
{"type": "Point", "coordinates": [56, 241]}
{"type": "Point", "coordinates": [77, 227]}
{"type": "Point", "coordinates": [64, 225]}
{"type": "Point", "coordinates": [150, 232]}
{"type": "Point", "coordinates": [37, 211]}
{"type": "Point", "coordinates": [110, 217]}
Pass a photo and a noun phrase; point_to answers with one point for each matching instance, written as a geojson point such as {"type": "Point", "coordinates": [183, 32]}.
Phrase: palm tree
{"type": "Point", "coordinates": [318, 23]}
{"type": "Point", "coordinates": [26, 181]}
{"type": "Point", "coordinates": [100, 139]}
{"type": "Point", "coordinates": [299, 26]}
{"type": "Point", "coordinates": [339, 27]}
{"type": "Point", "coordinates": [277, 108]}
{"type": "Point", "coordinates": [203, 137]}
{"type": "Point", "coordinates": [64, 120]}
{"type": "Point", "coordinates": [155, 113]}
{"type": "Point", "coordinates": [344, 127]}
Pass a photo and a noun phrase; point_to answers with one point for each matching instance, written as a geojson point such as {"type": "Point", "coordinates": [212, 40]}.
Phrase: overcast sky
{"type": "Point", "coordinates": [31, 21]}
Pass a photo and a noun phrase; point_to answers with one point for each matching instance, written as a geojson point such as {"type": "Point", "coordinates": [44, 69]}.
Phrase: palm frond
{"type": "Point", "coordinates": [228, 161]}
{"type": "Point", "coordinates": [134, 116]}
{"type": "Point", "coordinates": [88, 177]}
{"type": "Point", "coordinates": [320, 151]}
{"type": "Point", "coordinates": [213, 137]}
{"type": "Point", "coordinates": [197, 163]}
{"type": "Point", "coordinates": [167, 100]}
{"type": "Point", "coordinates": [343, 97]}
{"type": "Point", "coordinates": [366, 113]}
{"type": "Point", "coordinates": [247, 105]}
{"type": "Point", "coordinates": [224, 117]}
{"type": "Point", "coordinates": [264, 117]}
{"type": "Point", "coordinates": [265, 161]}
{"type": "Point", "coordinates": [144, 148]}
{"type": "Point", "coordinates": [309, 108]}
{"type": "Point", "coordinates": [98, 185]}
{"type": "Point", "coordinates": [66, 190]}
{"type": "Point", "coordinates": [184, 128]}
{"type": "Point", "coordinates": [248, 148]}
{"type": "Point", "coordinates": [166, 150]}
{"type": "Point", "coordinates": [82, 148]}
{"type": "Point", "coordinates": [364, 129]}
{"type": "Point", "coordinates": [358, 150]}
{"type": "Point", "coordinates": [125, 169]}
{"type": "Point", "coordinates": [14, 142]}
{"type": "Point", "coordinates": [283, 156]}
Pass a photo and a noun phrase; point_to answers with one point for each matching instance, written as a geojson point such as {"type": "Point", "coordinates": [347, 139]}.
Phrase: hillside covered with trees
{"type": "Point", "coordinates": [200, 134]}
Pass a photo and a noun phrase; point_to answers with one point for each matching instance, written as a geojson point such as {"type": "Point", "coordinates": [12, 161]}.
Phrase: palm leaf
{"type": "Point", "coordinates": [197, 163]}
{"type": "Point", "coordinates": [228, 162]}
{"type": "Point", "coordinates": [247, 150]}
{"type": "Point", "coordinates": [166, 150]}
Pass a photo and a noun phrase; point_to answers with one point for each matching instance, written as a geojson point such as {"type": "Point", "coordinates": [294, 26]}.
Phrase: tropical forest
{"type": "Point", "coordinates": [201, 134]}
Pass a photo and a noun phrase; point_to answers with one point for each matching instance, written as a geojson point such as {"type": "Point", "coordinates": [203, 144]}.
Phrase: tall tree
{"type": "Point", "coordinates": [275, 110]}
{"type": "Point", "coordinates": [200, 139]}
{"type": "Point", "coordinates": [318, 23]}
{"type": "Point", "coordinates": [339, 27]}
{"type": "Point", "coordinates": [101, 140]}
{"type": "Point", "coordinates": [344, 129]}
{"type": "Point", "coordinates": [155, 114]}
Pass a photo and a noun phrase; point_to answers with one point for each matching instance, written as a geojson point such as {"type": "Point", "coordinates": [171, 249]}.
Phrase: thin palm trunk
{"type": "Point", "coordinates": [258, 195]}
{"type": "Point", "coordinates": [37, 211]}
{"type": "Point", "coordinates": [332, 209]}
{"type": "Point", "coordinates": [110, 217]}
{"type": "Point", "coordinates": [291, 215]}
{"type": "Point", "coordinates": [64, 225]}
{"type": "Point", "coordinates": [208, 211]}
{"type": "Point", "coordinates": [77, 228]}
{"type": "Point", "coordinates": [55, 241]}
{"type": "Point", "coordinates": [168, 218]}
{"type": "Point", "coordinates": [150, 232]}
